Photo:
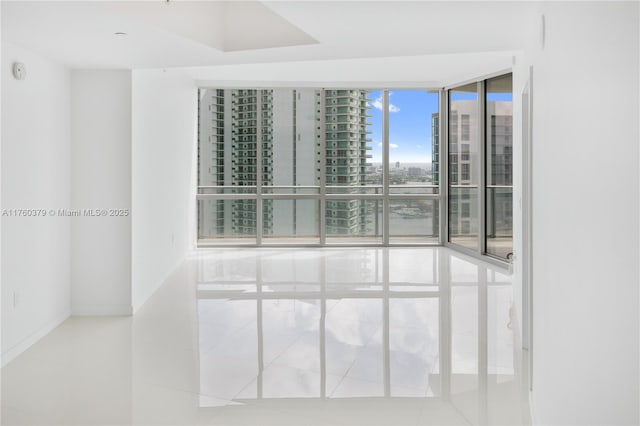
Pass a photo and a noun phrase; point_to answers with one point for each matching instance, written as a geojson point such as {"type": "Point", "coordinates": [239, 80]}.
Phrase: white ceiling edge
{"type": "Point", "coordinates": [425, 71]}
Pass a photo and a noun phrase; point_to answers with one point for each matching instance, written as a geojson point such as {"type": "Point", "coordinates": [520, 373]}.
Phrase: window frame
{"type": "Point", "coordinates": [381, 193]}
{"type": "Point", "coordinates": [481, 250]}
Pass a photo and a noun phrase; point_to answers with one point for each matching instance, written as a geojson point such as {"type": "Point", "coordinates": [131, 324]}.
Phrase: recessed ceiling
{"type": "Point", "coordinates": [318, 41]}
{"type": "Point", "coordinates": [160, 34]}
{"type": "Point", "coordinates": [223, 25]}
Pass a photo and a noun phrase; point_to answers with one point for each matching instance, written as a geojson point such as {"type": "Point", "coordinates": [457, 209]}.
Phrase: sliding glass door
{"type": "Point", "coordinates": [464, 162]}
{"type": "Point", "coordinates": [480, 167]}
{"type": "Point", "coordinates": [499, 166]}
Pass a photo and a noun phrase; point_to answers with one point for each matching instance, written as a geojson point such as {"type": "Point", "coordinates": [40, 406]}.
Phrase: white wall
{"type": "Point", "coordinates": [163, 187]}
{"type": "Point", "coordinates": [101, 179]}
{"type": "Point", "coordinates": [585, 184]}
{"type": "Point", "coordinates": [35, 175]}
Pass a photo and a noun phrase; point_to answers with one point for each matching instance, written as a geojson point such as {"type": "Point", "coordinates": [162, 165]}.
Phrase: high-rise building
{"type": "Point", "coordinates": [211, 159]}
{"type": "Point", "coordinates": [463, 161]}
{"type": "Point", "coordinates": [251, 131]}
{"type": "Point", "coordinates": [435, 148]}
{"type": "Point", "coordinates": [345, 118]}
{"type": "Point", "coordinates": [499, 170]}
{"type": "Point", "coordinates": [235, 124]}
{"type": "Point", "coordinates": [242, 120]}
{"type": "Point", "coordinates": [294, 161]}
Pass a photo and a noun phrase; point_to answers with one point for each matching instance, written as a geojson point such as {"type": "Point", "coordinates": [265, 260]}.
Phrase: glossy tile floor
{"type": "Point", "coordinates": [410, 336]}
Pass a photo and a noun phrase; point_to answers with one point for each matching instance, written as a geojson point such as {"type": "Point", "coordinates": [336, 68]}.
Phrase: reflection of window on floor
{"type": "Point", "coordinates": [289, 338]}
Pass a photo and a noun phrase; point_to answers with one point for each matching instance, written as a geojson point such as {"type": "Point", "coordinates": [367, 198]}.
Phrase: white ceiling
{"type": "Point", "coordinates": [184, 33]}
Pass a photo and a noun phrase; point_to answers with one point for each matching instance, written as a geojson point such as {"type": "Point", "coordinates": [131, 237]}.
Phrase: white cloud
{"type": "Point", "coordinates": [391, 145]}
{"type": "Point", "coordinates": [418, 146]}
{"type": "Point", "coordinates": [377, 104]}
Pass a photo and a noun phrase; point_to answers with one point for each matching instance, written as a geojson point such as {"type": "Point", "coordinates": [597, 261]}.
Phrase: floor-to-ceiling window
{"type": "Point", "coordinates": [318, 166]}
{"type": "Point", "coordinates": [413, 122]}
{"type": "Point", "coordinates": [480, 167]}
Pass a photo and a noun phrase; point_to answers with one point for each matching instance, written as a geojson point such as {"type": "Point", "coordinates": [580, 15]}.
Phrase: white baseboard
{"type": "Point", "coordinates": [33, 338]}
{"type": "Point", "coordinates": [101, 310]}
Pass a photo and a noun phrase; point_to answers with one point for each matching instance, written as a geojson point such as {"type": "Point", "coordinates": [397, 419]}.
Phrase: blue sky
{"type": "Point", "coordinates": [409, 125]}
{"type": "Point", "coordinates": [494, 97]}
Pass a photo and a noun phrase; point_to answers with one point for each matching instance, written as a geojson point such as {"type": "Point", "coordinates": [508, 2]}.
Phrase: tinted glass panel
{"type": "Point", "coordinates": [463, 166]}
{"type": "Point", "coordinates": [499, 166]}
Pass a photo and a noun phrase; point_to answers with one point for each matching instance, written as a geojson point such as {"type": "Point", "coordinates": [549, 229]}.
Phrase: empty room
{"type": "Point", "coordinates": [320, 212]}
